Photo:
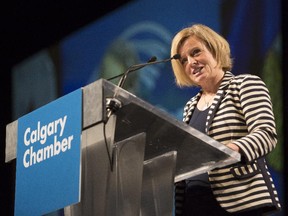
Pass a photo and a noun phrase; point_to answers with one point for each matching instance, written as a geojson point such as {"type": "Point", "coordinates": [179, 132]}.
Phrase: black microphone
{"type": "Point", "coordinates": [152, 59]}
{"type": "Point", "coordinates": [151, 62]}
{"type": "Point", "coordinates": [134, 68]}
{"type": "Point", "coordinates": [113, 104]}
{"type": "Point", "coordinates": [139, 66]}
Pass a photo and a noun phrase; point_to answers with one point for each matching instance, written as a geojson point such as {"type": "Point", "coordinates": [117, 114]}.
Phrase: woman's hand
{"type": "Point", "coordinates": [233, 147]}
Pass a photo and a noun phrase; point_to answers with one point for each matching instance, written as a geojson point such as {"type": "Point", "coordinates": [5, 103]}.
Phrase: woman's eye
{"type": "Point", "coordinates": [183, 61]}
{"type": "Point", "coordinates": [196, 52]}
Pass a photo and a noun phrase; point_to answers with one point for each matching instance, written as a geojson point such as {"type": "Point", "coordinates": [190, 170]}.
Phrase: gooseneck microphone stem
{"type": "Point", "coordinates": [139, 66]}
{"type": "Point", "coordinates": [113, 104]}
{"type": "Point", "coordinates": [134, 68]}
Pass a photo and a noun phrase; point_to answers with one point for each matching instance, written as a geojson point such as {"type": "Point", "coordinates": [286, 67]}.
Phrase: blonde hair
{"type": "Point", "coordinates": [214, 42]}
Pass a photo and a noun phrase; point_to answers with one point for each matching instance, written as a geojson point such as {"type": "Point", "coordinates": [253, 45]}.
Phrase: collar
{"type": "Point", "coordinates": [226, 80]}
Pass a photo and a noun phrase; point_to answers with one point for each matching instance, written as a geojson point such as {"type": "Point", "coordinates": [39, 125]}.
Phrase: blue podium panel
{"type": "Point", "coordinates": [48, 157]}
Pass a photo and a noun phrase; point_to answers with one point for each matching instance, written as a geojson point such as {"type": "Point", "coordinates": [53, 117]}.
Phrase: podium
{"type": "Point", "coordinates": [131, 162]}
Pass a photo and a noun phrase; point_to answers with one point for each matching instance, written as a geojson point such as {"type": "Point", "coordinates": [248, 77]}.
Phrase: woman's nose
{"type": "Point", "coordinates": [192, 60]}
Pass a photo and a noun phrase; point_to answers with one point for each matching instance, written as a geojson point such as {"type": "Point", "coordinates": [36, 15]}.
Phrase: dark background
{"type": "Point", "coordinates": [25, 28]}
{"type": "Point", "coordinates": [31, 25]}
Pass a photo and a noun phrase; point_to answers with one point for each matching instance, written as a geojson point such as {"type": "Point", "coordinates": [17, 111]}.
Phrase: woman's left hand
{"type": "Point", "coordinates": [233, 147]}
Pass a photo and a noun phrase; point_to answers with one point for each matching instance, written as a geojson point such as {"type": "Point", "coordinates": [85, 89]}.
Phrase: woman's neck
{"type": "Point", "coordinates": [211, 86]}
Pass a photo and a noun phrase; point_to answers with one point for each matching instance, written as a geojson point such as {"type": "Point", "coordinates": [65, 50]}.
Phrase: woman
{"type": "Point", "coordinates": [234, 110]}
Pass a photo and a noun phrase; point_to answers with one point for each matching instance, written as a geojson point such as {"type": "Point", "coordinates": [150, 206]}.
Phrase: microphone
{"type": "Point", "coordinates": [113, 104]}
{"type": "Point", "coordinates": [134, 67]}
{"type": "Point", "coordinates": [139, 66]}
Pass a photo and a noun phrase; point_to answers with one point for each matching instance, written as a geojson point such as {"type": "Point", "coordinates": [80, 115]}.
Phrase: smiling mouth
{"type": "Point", "coordinates": [197, 70]}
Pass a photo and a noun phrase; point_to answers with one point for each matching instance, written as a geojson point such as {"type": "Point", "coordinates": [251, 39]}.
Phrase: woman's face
{"type": "Point", "coordinates": [199, 64]}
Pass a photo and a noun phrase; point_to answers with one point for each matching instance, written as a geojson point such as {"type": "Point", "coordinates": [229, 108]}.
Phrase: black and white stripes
{"type": "Point", "coordinates": [241, 113]}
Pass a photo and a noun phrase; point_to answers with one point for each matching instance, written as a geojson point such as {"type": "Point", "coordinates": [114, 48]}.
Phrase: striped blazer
{"type": "Point", "coordinates": [241, 113]}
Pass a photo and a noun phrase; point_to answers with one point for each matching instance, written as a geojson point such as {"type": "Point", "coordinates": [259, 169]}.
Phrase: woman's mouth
{"type": "Point", "coordinates": [197, 70]}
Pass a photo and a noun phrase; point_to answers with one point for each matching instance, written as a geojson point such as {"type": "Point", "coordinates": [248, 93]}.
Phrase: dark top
{"type": "Point", "coordinates": [197, 121]}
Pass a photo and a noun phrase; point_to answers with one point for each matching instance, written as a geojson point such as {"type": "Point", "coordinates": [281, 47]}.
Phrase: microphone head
{"type": "Point", "coordinates": [152, 59]}
{"type": "Point", "coordinates": [176, 56]}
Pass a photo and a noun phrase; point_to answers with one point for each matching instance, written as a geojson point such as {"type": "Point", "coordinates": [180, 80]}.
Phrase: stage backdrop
{"type": "Point", "coordinates": [144, 28]}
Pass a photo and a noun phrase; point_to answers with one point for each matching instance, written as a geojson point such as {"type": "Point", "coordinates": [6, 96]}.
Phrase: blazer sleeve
{"type": "Point", "coordinates": [257, 110]}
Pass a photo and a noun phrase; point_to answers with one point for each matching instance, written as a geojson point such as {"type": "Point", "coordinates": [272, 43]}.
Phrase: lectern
{"type": "Point", "coordinates": [131, 160]}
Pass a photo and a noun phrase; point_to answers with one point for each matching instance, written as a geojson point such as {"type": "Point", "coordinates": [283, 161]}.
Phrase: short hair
{"type": "Point", "coordinates": [215, 43]}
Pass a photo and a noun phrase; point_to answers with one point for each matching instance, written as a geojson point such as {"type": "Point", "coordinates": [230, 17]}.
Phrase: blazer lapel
{"type": "Point", "coordinates": [218, 98]}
